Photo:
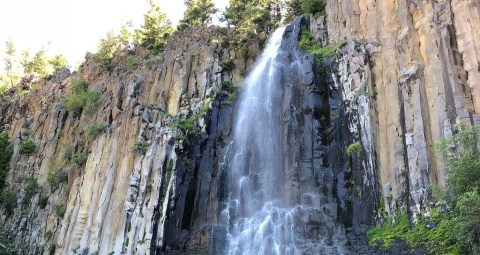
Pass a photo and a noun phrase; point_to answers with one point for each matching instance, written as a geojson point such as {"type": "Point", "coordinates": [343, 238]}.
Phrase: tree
{"type": "Point", "coordinates": [155, 30]}
{"type": "Point", "coordinates": [294, 9]}
{"type": "Point", "coordinates": [11, 76]}
{"type": "Point", "coordinates": [58, 62]}
{"type": "Point", "coordinates": [253, 19]}
{"type": "Point", "coordinates": [315, 7]}
{"type": "Point", "coordinates": [106, 50]}
{"type": "Point", "coordinates": [125, 32]}
{"type": "Point", "coordinates": [39, 64]}
{"type": "Point", "coordinates": [198, 12]}
{"type": "Point", "coordinates": [461, 155]}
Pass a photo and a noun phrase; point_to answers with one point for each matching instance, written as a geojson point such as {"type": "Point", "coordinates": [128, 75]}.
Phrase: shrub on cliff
{"type": "Point", "coordinates": [6, 152]}
{"type": "Point", "coordinates": [27, 147]}
{"type": "Point", "coordinates": [81, 98]}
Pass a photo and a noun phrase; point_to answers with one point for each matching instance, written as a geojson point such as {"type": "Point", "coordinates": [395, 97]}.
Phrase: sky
{"type": "Point", "coordinates": [73, 27]}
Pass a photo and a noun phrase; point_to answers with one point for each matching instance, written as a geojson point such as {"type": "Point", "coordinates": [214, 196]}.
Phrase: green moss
{"type": "Point", "coordinates": [354, 147]}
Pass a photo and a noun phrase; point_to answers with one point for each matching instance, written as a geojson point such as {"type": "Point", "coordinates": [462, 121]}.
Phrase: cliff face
{"type": "Point", "coordinates": [423, 66]}
{"type": "Point", "coordinates": [118, 201]}
{"type": "Point", "coordinates": [366, 125]}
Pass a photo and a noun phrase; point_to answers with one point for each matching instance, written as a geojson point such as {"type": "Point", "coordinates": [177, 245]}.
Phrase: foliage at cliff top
{"type": "Point", "coordinates": [198, 12]}
{"type": "Point", "coordinates": [155, 30]}
{"type": "Point", "coordinates": [457, 230]}
{"type": "Point", "coordinates": [304, 7]}
{"type": "Point", "coordinates": [253, 20]}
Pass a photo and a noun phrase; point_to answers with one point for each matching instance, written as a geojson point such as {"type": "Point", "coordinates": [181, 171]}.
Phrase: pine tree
{"type": "Point", "coordinates": [106, 49]}
{"type": "Point", "coordinates": [198, 12]}
{"type": "Point", "coordinates": [58, 62]}
{"type": "Point", "coordinates": [155, 30]}
{"type": "Point", "coordinates": [11, 76]}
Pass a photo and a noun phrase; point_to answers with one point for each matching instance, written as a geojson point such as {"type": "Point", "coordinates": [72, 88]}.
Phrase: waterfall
{"type": "Point", "coordinates": [262, 223]}
{"type": "Point", "coordinates": [280, 198]}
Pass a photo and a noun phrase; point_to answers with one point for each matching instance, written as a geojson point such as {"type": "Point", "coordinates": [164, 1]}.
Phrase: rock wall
{"type": "Point", "coordinates": [119, 201]}
{"type": "Point", "coordinates": [423, 61]}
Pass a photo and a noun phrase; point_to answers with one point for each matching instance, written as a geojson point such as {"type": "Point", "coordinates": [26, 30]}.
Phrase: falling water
{"type": "Point", "coordinates": [261, 221]}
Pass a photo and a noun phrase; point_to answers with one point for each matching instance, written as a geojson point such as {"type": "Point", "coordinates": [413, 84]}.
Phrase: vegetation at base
{"type": "Point", "coordinates": [354, 147]}
{"type": "Point", "coordinates": [435, 239]}
{"type": "Point", "coordinates": [81, 98]}
{"type": "Point", "coordinates": [140, 147]}
{"type": "Point", "coordinates": [198, 12]}
{"type": "Point", "coordinates": [27, 147]}
{"type": "Point", "coordinates": [308, 41]}
{"type": "Point", "coordinates": [60, 210]}
{"type": "Point", "coordinates": [456, 230]}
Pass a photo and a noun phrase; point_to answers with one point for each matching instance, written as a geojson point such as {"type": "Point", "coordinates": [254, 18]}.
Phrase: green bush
{"type": "Point", "coordinates": [27, 147]}
{"type": "Point", "coordinates": [227, 64]}
{"type": "Point", "coordinates": [140, 147]}
{"type": "Point", "coordinates": [131, 62]}
{"type": "Point", "coordinates": [8, 199]}
{"type": "Point", "coordinates": [316, 7]}
{"type": "Point", "coordinates": [6, 152]}
{"type": "Point", "coordinates": [79, 158]}
{"type": "Point", "coordinates": [55, 177]}
{"type": "Point", "coordinates": [81, 98]}
{"type": "Point", "coordinates": [31, 187]}
{"type": "Point", "coordinates": [60, 210]}
{"type": "Point", "coordinates": [43, 201]}
{"type": "Point", "coordinates": [461, 156]}
{"type": "Point", "coordinates": [95, 129]}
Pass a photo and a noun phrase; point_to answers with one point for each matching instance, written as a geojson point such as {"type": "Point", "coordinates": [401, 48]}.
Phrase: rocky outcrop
{"type": "Point", "coordinates": [422, 61]}
{"type": "Point", "coordinates": [120, 201]}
